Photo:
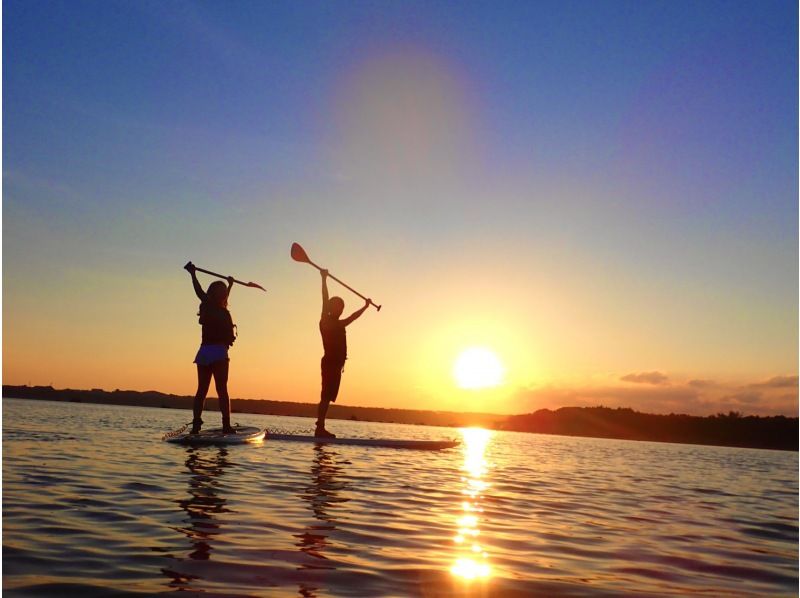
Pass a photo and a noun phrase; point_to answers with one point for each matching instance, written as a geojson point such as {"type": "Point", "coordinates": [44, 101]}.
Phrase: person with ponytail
{"type": "Point", "coordinates": [212, 357]}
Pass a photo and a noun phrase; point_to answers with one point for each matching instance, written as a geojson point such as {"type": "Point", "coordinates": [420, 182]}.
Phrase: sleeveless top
{"type": "Point", "coordinates": [334, 339]}
{"type": "Point", "coordinates": [217, 325]}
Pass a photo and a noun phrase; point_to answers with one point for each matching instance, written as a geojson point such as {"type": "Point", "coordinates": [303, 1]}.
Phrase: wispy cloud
{"type": "Point", "coordinates": [744, 397]}
{"type": "Point", "coordinates": [701, 383]}
{"type": "Point", "coordinates": [646, 378]}
{"type": "Point", "coordinates": [190, 18]}
{"type": "Point", "coordinates": [20, 181]}
{"type": "Point", "coordinates": [777, 382]}
{"type": "Point", "coordinates": [661, 399]}
{"type": "Point", "coordinates": [653, 394]}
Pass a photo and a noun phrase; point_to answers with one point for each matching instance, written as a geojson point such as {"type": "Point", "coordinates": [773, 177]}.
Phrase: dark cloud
{"type": "Point", "coordinates": [646, 378]}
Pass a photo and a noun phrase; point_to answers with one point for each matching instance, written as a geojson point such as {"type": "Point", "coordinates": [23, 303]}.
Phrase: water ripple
{"type": "Point", "coordinates": [507, 514]}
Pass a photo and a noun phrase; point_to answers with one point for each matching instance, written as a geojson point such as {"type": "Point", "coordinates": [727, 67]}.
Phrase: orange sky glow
{"type": "Point", "coordinates": [573, 285]}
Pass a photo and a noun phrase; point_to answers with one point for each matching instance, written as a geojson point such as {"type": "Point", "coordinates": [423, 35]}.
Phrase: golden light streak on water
{"type": "Point", "coordinates": [468, 521]}
{"type": "Point", "coordinates": [472, 561]}
{"type": "Point", "coordinates": [470, 569]}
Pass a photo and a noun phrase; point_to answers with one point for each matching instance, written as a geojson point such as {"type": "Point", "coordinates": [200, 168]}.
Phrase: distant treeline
{"type": "Point", "coordinates": [731, 429]}
{"type": "Point", "coordinates": [152, 398]}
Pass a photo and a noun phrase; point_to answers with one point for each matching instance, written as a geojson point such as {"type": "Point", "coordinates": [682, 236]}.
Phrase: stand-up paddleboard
{"type": "Point", "coordinates": [430, 445]}
{"type": "Point", "coordinates": [244, 435]}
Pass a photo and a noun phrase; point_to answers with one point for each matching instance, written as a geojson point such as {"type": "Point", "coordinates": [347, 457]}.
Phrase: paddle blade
{"type": "Point", "coordinates": [299, 254]}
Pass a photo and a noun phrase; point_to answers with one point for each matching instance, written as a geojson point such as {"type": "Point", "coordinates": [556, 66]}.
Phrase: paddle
{"type": "Point", "coordinates": [246, 284]}
{"type": "Point", "coordinates": [299, 255]}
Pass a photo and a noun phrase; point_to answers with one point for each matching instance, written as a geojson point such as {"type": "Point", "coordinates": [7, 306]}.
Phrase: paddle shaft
{"type": "Point", "coordinates": [348, 287]}
{"type": "Point", "coordinates": [246, 284]}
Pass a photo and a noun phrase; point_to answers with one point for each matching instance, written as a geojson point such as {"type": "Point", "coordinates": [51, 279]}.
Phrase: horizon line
{"type": "Point", "coordinates": [405, 409]}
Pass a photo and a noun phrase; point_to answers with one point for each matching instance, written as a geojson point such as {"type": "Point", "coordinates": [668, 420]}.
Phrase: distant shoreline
{"type": "Point", "coordinates": [153, 398]}
{"type": "Point", "coordinates": [732, 429]}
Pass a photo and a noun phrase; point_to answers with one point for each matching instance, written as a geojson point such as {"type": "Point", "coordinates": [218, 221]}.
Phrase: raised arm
{"type": "Point", "coordinates": [357, 314]}
{"type": "Point", "coordinates": [324, 274]}
{"type": "Point", "coordinates": [198, 290]}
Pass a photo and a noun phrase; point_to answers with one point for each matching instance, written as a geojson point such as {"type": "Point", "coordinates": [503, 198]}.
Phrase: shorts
{"type": "Point", "coordinates": [331, 379]}
{"type": "Point", "coordinates": [209, 354]}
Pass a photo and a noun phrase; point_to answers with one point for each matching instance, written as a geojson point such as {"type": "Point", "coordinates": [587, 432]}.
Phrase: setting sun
{"type": "Point", "coordinates": [478, 367]}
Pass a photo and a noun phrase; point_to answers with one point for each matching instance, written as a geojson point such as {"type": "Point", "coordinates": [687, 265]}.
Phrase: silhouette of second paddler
{"type": "Point", "coordinates": [334, 341]}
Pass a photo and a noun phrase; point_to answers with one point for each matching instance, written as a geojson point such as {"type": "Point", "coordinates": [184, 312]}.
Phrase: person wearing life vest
{"type": "Point", "coordinates": [212, 357]}
{"type": "Point", "coordinates": [334, 341]}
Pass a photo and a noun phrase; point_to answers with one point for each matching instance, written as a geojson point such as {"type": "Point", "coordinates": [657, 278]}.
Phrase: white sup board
{"type": "Point", "coordinates": [381, 442]}
{"type": "Point", "coordinates": [244, 435]}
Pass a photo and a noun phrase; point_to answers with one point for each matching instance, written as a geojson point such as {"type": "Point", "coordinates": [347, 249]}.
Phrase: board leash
{"type": "Point", "coordinates": [177, 432]}
{"type": "Point", "coordinates": [290, 432]}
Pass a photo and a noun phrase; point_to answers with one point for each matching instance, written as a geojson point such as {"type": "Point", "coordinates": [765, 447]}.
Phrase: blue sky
{"type": "Point", "coordinates": [637, 158]}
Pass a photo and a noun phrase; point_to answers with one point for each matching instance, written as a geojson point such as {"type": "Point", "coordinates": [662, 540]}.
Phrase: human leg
{"type": "Point", "coordinates": [331, 379]}
{"type": "Point", "coordinates": [203, 382]}
{"type": "Point", "coordinates": [322, 412]}
{"type": "Point", "coordinates": [220, 369]}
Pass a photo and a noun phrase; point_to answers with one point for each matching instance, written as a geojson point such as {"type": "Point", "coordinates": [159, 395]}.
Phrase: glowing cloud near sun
{"type": "Point", "coordinates": [478, 367]}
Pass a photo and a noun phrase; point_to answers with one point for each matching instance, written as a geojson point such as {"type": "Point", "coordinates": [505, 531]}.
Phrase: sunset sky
{"type": "Point", "coordinates": [602, 194]}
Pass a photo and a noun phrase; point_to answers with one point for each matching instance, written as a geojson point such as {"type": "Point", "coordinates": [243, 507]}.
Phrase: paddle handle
{"type": "Point", "coordinates": [351, 289]}
{"type": "Point", "coordinates": [348, 287]}
{"type": "Point", "coordinates": [299, 255]}
{"type": "Point", "coordinates": [222, 276]}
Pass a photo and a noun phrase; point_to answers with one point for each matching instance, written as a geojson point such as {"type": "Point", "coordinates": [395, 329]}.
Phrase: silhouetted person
{"type": "Point", "coordinates": [212, 358]}
{"type": "Point", "coordinates": [334, 340]}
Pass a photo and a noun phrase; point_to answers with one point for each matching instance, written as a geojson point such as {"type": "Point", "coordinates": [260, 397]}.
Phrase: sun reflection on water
{"type": "Point", "coordinates": [472, 561]}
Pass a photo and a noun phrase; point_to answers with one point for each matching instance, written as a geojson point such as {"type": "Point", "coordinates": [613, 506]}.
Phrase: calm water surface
{"type": "Point", "coordinates": [94, 503]}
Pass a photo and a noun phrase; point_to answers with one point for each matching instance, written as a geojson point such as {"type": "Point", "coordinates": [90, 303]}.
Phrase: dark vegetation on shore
{"type": "Point", "coordinates": [731, 429]}
{"type": "Point", "coordinates": [152, 398]}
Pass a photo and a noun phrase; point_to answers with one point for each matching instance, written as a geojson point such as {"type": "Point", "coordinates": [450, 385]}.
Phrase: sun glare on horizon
{"type": "Point", "coordinates": [478, 367]}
